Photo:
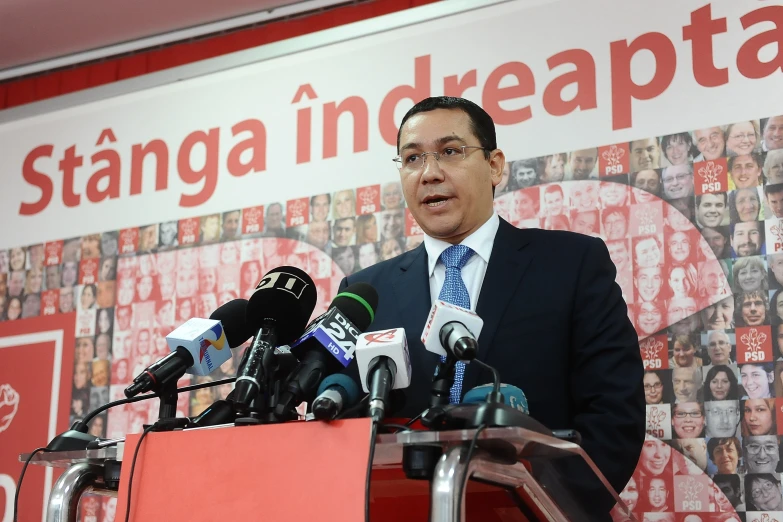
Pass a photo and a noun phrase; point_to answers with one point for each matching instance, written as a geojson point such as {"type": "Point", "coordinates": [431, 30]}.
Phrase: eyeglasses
{"type": "Point", "coordinates": [730, 412]}
{"type": "Point", "coordinates": [740, 137]}
{"type": "Point", "coordinates": [766, 487]}
{"type": "Point", "coordinates": [691, 414]}
{"type": "Point", "coordinates": [754, 448]}
{"type": "Point", "coordinates": [650, 387]}
{"type": "Point", "coordinates": [414, 161]}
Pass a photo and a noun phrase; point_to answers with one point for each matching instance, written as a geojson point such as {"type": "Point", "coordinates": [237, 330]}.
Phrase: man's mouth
{"type": "Point", "coordinates": [435, 201]}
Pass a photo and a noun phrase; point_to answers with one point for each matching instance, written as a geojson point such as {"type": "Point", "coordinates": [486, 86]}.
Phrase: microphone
{"type": "Point", "coordinates": [198, 347]}
{"type": "Point", "coordinates": [452, 330]}
{"type": "Point", "coordinates": [328, 345]}
{"type": "Point", "coordinates": [280, 305]}
{"type": "Point", "coordinates": [384, 365]}
{"type": "Point", "coordinates": [336, 393]}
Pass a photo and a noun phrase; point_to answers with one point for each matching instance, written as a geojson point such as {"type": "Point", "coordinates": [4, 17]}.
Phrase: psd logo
{"type": "Point", "coordinates": [646, 219]}
{"type": "Point", "coordinates": [691, 493]}
{"type": "Point", "coordinates": [754, 344]}
{"type": "Point", "coordinates": [614, 159]}
{"type": "Point", "coordinates": [9, 405]}
{"type": "Point", "coordinates": [297, 211]}
{"type": "Point", "coordinates": [253, 220]}
{"type": "Point", "coordinates": [368, 199]}
{"type": "Point", "coordinates": [654, 353]}
{"type": "Point", "coordinates": [659, 421]}
{"type": "Point", "coordinates": [129, 240]}
{"type": "Point", "coordinates": [711, 176]}
{"type": "Point", "coordinates": [774, 235]}
{"type": "Point", "coordinates": [53, 253]}
{"type": "Point", "coordinates": [411, 227]}
{"type": "Point", "coordinates": [188, 231]}
{"type": "Point", "coordinates": [380, 337]}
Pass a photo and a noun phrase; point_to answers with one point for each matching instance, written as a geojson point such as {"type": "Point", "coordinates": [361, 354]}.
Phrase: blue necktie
{"type": "Point", "coordinates": [455, 292]}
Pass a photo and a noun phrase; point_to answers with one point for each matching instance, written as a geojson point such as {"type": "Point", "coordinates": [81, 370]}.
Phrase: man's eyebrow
{"type": "Point", "coordinates": [439, 141]}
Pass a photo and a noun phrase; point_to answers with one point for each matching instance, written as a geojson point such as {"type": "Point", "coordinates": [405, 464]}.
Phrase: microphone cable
{"type": "Point", "coordinates": [21, 478]}
{"type": "Point", "coordinates": [466, 476]}
{"type": "Point", "coordinates": [373, 436]}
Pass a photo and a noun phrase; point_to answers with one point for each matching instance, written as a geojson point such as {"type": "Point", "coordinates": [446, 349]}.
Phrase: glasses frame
{"type": "Point", "coordinates": [436, 155]}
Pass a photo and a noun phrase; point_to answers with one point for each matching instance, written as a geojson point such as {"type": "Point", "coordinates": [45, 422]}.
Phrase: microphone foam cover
{"type": "Point", "coordinates": [287, 295]}
{"type": "Point", "coordinates": [232, 316]}
{"type": "Point", "coordinates": [353, 302]}
{"type": "Point", "coordinates": [512, 395]}
{"type": "Point", "coordinates": [349, 385]}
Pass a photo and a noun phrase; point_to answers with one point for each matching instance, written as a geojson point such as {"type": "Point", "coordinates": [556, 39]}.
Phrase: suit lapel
{"type": "Point", "coordinates": [507, 264]}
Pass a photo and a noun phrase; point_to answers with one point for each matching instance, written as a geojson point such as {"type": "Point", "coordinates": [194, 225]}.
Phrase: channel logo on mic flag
{"type": "Point", "coordinates": [216, 337]}
{"type": "Point", "coordinates": [205, 340]}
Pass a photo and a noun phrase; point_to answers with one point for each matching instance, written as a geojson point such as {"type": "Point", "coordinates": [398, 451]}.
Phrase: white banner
{"type": "Point", "coordinates": [556, 76]}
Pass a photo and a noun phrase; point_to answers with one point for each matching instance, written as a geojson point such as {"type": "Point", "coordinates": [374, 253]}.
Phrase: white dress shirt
{"type": "Point", "coordinates": [473, 272]}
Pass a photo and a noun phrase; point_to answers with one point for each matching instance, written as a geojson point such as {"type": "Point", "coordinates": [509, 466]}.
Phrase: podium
{"type": "Point", "coordinates": [316, 471]}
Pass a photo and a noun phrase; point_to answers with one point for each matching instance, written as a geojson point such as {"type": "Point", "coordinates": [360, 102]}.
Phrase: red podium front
{"type": "Point", "coordinates": [294, 471]}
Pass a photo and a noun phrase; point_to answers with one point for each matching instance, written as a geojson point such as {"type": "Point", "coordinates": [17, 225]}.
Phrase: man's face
{"type": "Point", "coordinates": [719, 348]}
{"type": "Point", "coordinates": [66, 299]}
{"type": "Point", "coordinates": [773, 133]}
{"type": "Point", "coordinates": [775, 202]}
{"type": "Point", "coordinates": [230, 224]}
{"type": "Point", "coordinates": [615, 226]}
{"type": "Point", "coordinates": [583, 162]}
{"type": "Point", "coordinates": [523, 176]}
{"type": "Point", "coordinates": [679, 246]}
{"type": "Point", "coordinates": [109, 244]}
{"type": "Point", "coordinates": [648, 253]}
{"type": "Point", "coordinates": [754, 313]}
{"type": "Point", "coordinates": [681, 308]}
{"type": "Point", "coordinates": [618, 251]}
{"type": "Point", "coordinates": [677, 182]}
{"type": "Point", "coordinates": [711, 210]}
{"type": "Point", "coordinates": [657, 493]}
{"type": "Point", "coordinates": [745, 172]}
{"type": "Point", "coordinates": [715, 240]}
{"type": "Point", "coordinates": [645, 154]}
{"type": "Point", "coordinates": [91, 246]}
{"type": "Point", "coordinates": [16, 285]}
{"type": "Point", "coordinates": [451, 201]}
{"type": "Point", "coordinates": [756, 382]}
{"type": "Point", "coordinates": [762, 454]}
{"type": "Point", "coordinates": [274, 216]}
{"type": "Point", "coordinates": [555, 169]}
{"type": "Point", "coordinates": [585, 223]}
{"type": "Point", "coordinates": [391, 224]}
{"type": "Point", "coordinates": [710, 142]}
{"type": "Point", "coordinates": [648, 180]}
{"type": "Point", "coordinates": [346, 260]}
{"type": "Point", "coordinates": [344, 230]}
{"type": "Point", "coordinates": [722, 418]}
{"type": "Point", "coordinates": [553, 203]}
{"type": "Point", "coordinates": [320, 207]}
{"type": "Point", "coordinates": [685, 383]}
{"type": "Point", "coordinates": [649, 282]}
{"type": "Point", "coordinates": [318, 234]}
{"type": "Point", "coordinates": [746, 240]}
{"type": "Point", "coordinates": [719, 316]}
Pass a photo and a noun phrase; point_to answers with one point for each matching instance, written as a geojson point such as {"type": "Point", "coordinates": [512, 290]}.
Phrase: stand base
{"type": "Point", "coordinates": [71, 440]}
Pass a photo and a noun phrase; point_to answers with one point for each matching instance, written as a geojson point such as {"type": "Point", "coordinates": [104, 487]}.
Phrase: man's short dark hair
{"type": "Point", "coordinates": [328, 198]}
{"type": "Point", "coordinates": [724, 194]}
{"type": "Point", "coordinates": [480, 122]}
{"type": "Point", "coordinates": [773, 189]}
{"type": "Point", "coordinates": [755, 156]}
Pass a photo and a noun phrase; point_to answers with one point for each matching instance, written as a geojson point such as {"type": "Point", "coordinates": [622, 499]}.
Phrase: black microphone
{"type": "Point", "coordinates": [280, 306]}
{"type": "Point", "coordinates": [195, 340]}
{"type": "Point", "coordinates": [328, 345]}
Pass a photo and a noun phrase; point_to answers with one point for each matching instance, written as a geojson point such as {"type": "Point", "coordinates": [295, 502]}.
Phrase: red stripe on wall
{"type": "Point", "coordinates": [49, 85]}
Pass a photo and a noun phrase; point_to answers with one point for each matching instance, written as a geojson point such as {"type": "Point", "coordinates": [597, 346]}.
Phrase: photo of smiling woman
{"type": "Point", "coordinates": [758, 417]}
{"type": "Point", "coordinates": [688, 420]}
{"type": "Point", "coordinates": [721, 384]}
{"type": "Point", "coordinates": [750, 274]}
{"type": "Point", "coordinates": [745, 205]}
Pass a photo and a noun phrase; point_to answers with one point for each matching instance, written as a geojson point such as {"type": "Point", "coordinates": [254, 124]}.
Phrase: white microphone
{"type": "Point", "coordinates": [198, 347]}
{"type": "Point", "coordinates": [384, 365]}
{"type": "Point", "coordinates": [454, 327]}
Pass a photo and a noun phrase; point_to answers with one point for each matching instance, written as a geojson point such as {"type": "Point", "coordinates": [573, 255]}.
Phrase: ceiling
{"type": "Point", "coordinates": [34, 31]}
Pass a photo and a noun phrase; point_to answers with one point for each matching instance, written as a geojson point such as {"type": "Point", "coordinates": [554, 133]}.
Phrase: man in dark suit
{"type": "Point", "coordinates": [555, 323]}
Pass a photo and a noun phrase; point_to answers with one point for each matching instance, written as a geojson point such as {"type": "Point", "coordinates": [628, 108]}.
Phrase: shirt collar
{"type": "Point", "coordinates": [479, 241]}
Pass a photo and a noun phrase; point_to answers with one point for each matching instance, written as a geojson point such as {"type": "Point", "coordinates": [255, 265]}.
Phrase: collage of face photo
{"type": "Point", "coordinates": [693, 222]}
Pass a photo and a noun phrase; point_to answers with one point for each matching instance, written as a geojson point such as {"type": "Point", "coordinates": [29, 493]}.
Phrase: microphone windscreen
{"type": "Point", "coordinates": [287, 295]}
{"type": "Point", "coordinates": [232, 316]}
{"type": "Point", "coordinates": [512, 396]}
{"type": "Point", "coordinates": [358, 303]}
{"type": "Point", "coordinates": [346, 383]}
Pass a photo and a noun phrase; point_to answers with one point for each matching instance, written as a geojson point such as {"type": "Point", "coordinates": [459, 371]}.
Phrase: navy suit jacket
{"type": "Point", "coordinates": [555, 325]}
